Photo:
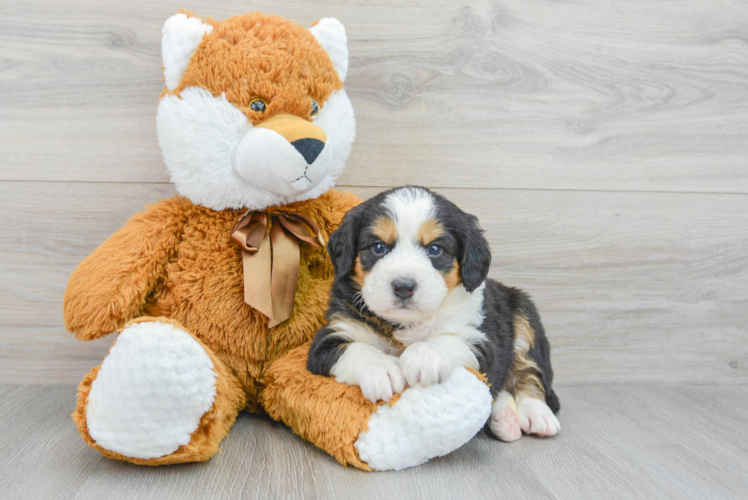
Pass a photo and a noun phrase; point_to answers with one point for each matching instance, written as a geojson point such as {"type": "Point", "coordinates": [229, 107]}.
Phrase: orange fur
{"type": "Point", "coordinates": [176, 261]}
{"type": "Point", "coordinates": [259, 56]}
{"type": "Point", "coordinates": [305, 402]}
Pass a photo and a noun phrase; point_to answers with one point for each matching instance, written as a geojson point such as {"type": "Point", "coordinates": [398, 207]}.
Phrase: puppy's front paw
{"type": "Point", "coordinates": [426, 364]}
{"type": "Point", "coordinates": [382, 380]}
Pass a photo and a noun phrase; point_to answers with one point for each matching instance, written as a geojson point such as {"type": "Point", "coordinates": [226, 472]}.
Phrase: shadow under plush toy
{"type": "Point", "coordinates": [217, 292]}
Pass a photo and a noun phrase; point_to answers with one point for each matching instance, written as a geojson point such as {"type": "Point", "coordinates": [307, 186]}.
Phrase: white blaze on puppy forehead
{"type": "Point", "coordinates": [410, 207]}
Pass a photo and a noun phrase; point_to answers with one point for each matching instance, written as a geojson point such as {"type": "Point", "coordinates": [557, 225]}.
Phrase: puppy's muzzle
{"type": "Point", "coordinates": [403, 288]}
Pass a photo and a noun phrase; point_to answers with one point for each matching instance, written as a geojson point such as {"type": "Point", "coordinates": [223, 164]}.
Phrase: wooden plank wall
{"type": "Point", "coordinates": [604, 146]}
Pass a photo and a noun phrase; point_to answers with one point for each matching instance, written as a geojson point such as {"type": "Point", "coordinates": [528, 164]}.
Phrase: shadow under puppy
{"type": "Point", "coordinates": [411, 301]}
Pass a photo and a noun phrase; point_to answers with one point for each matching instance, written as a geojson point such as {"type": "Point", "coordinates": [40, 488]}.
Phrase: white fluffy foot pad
{"type": "Point", "coordinates": [536, 418]}
{"type": "Point", "coordinates": [426, 422]}
{"type": "Point", "coordinates": [151, 391]}
{"type": "Point", "coordinates": [504, 423]}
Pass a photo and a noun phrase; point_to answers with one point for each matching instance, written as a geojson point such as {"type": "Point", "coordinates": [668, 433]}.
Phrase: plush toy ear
{"type": "Point", "coordinates": [182, 35]}
{"type": "Point", "coordinates": [475, 254]}
{"type": "Point", "coordinates": [330, 33]}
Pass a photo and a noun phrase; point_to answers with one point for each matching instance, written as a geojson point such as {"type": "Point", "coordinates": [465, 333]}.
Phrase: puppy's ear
{"type": "Point", "coordinates": [342, 245]}
{"type": "Point", "coordinates": [475, 254]}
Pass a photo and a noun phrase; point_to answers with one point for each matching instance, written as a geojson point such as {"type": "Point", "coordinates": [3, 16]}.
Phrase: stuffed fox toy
{"type": "Point", "coordinates": [216, 292]}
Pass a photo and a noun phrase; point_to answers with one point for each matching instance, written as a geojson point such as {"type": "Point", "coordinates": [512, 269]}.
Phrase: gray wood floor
{"type": "Point", "coordinates": [617, 442]}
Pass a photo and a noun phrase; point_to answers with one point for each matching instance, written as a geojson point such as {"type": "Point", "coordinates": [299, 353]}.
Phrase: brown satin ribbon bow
{"type": "Point", "coordinates": [271, 259]}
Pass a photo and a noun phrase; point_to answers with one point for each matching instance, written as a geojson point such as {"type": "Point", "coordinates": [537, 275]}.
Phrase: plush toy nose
{"type": "Point", "coordinates": [403, 288]}
{"type": "Point", "coordinates": [308, 139]}
{"type": "Point", "coordinates": [309, 148]}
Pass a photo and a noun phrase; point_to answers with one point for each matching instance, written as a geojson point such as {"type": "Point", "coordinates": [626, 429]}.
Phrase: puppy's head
{"type": "Point", "coordinates": [407, 249]}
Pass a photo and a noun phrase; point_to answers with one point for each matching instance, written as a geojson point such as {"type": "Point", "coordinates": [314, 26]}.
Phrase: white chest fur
{"type": "Point", "coordinates": [460, 315]}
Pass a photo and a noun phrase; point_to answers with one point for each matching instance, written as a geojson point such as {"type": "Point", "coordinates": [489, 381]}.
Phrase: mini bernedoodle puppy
{"type": "Point", "coordinates": [411, 301]}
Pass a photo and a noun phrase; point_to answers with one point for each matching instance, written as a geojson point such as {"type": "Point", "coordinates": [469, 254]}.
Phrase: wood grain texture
{"type": "Point", "coordinates": [636, 95]}
{"type": "Point", "coordinates": [616, 442]}
{"type": "Point", "coordinates": [632, 287]}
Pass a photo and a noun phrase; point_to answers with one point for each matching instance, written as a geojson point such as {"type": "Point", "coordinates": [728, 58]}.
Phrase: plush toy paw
{"type": "Point", "coordinates": [535, 417]}
{"type": "Point", "coordinates": [425, 422]}
{"type": "Point", "coordinates": [425, 363]}
{"type": "Point", "coordinates": [151, 391]}
{"type": "Point", "coordinates": [504, 423]}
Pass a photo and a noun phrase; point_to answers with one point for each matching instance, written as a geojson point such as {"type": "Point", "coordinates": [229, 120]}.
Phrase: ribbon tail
{"type": "Point", "coordinates": [284, 275]}
{"type": "Point", "coordinates": [257, 278]}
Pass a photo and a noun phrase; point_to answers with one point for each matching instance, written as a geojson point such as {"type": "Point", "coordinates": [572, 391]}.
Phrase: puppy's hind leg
{"type": "Point", "coordinates": [504, 423]}
{"type": "Point", "coordinates": [531, 376]}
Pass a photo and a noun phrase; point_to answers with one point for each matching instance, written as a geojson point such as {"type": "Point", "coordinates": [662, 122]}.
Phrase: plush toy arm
{"type": "Point", "coordinates": [110, 286]}
{"type": "Point", "coordinates": [415, 426]}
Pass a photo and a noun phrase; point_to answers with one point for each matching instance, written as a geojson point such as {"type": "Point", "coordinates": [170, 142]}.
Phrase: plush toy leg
{"type": "Point", "coordinates": [420, 424]}
{"type": "Point", "coordinates": [159, 397]}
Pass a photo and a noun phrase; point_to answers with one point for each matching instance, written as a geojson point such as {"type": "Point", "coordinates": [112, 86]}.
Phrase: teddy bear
{"type": "Point", "coordinates": [216, 293]}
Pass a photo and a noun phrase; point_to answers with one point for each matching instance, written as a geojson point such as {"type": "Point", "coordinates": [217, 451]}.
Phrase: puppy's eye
{"type": "Point", "coordinates": [258, 105]}
{"type": "Point", "coordinates": [379, 248]}
{"type": "Point", "coordinates": [315, 109]}
{"type": "Point", "coordinates": [434, 250]}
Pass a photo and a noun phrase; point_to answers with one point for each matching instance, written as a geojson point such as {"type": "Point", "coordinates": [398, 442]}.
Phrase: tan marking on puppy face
{"type": "Point", "coordinates": [452, 279]}
{"type": "Point", "coordinates": [429, 231]}
{"type": "Point", "coordinates": [385, 229]}
{"type": "Point", "coordinates": [523, 377]}
{"type": "Point", "coordinates": [359, 275]}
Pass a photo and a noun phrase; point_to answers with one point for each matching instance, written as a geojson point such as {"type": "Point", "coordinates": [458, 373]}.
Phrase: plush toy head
{"type": "Point", "coordinates": [254, 112]}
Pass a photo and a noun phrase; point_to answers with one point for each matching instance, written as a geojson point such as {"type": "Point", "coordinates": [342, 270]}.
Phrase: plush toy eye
{"type": "Point", "coordinates": [434, 250]}
{"type": "Point", "coordinates": [258, 105]}
{"type": "Point", "coordinates": [379, 248]}
{"type": "Point", "coordinates": [315, 109]}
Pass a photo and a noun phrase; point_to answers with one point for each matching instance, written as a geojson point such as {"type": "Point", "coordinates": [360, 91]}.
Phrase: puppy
{"type": "Point", "coordinates": [411, 301]}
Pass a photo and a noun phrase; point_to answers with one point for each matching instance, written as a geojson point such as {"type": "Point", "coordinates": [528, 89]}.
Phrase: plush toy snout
{"type": "Point", "coordinates": [284, 154]}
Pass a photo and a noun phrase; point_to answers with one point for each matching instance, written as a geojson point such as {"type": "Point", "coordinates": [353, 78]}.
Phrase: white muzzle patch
{"type": "Point", "coordinates": [217, 159]}
{"type": "Point", "coordinates": [266, 159]}
{"type": "Point", "coordinates": [407, 261]}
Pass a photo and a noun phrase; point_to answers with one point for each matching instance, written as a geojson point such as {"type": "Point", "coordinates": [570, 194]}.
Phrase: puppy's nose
{"type": "Point", "coordinates": [309, 148]}
{"type": "Point", "coordinates": [403, 288]}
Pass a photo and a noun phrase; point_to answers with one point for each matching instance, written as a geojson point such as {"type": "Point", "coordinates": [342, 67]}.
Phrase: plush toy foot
{"type": "Point", "coordinates": [535, 417]}
{"type": "Point", "coordinates": [426, 422]}
{"type": "Point", "coordinates": [420, 424]}
{"type": "Point", "coordinates": [159, 397]}
{"type": "Point", "coordinates": [504, 423]}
